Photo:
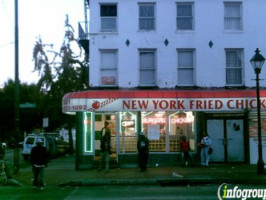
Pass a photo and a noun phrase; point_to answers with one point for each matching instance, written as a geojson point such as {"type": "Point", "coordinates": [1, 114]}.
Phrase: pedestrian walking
{"type": "Point", "coordinates": [205, 145]}
{"type": "Point", "coordinates": [143, 150]}
{"type": "Point", "coordinates": [105, 147]}
{"type": "Point", "coordinates": [184, 146]}
{"type": "Point", "coordinates": [39, 160]}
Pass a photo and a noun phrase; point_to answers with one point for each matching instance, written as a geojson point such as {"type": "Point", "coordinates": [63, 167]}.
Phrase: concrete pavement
{"type": "Point", "coordinates": [61, 172]}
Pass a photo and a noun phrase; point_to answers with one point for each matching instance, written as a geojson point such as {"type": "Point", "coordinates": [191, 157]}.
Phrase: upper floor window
{"type": "Point", "coordinates": [108, 17]}
{"type": "Point", "coordinates": [146, 16]}
{"type": "Point", "coordinates": [233, 16]}
{"type": "Point", "coordinates": [147, 67]}
{"type": "Point", "coordinates": [234, 66]}
{"type": "Point", "coordinates": [108, 67]}
{"type": "Point", "coordinates": [186, 66]}
{"type": "Point", "coordinates": [185, 16]}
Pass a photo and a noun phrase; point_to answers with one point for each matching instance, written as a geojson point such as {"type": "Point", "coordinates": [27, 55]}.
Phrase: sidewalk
{"type": "Point", "coordinates": [61, 172]}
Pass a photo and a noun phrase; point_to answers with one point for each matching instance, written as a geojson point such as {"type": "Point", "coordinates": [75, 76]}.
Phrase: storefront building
{"type": "Point", "coordinates": [229, 117]}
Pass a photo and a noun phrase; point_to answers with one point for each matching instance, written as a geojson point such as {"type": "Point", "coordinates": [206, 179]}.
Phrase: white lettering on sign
{"type": "Point", "coordinates": [127, 123]}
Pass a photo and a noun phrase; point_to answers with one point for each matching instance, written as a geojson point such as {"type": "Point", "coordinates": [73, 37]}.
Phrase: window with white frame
{"type": "Point", "coordinates": [146, 16]}
{"type": "Point", "coordinates": [108, 67]}
{"type": "Point", "coordinates": [233, 16]}
{"type": "Point", "coordinates": [234, 66]}
{"type": "Point", "coordinates": [186, 67]}
{"type": "Point", "coordinates": [108, 17]}
{"type": "Point", "coordinates": [185, 16]}
{"type": "Point", "coordinates": [147, 67]}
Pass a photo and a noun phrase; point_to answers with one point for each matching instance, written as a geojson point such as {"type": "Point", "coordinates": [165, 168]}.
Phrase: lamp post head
{"type": "Point", "coordinates": [257, 61]}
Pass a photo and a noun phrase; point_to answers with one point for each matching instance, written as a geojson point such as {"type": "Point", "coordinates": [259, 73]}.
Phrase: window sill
{"type": "Point", "coordinates": [108, 86]}
{"type": "Point", "coordinates": [147, 31]}
{"type": "Point", "coordinates": [108, 32]}
{"type": "Point", "coordinates": [233, 31]}
{"type": "Point", "coordinates": [148, 87]}
{"type": "Point", "coordinates": [184, 31]}
{"type": "Point", "coordinates": [235, 86]}
{"type": "Point", "coordinates": [185, 86]}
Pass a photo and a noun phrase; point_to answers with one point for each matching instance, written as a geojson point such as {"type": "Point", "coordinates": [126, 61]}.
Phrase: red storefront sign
{"type": "Point", "coordinates": [166, 100]}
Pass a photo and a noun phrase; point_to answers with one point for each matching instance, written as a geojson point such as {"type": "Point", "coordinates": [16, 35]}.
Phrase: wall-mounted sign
{"type": "Point", "coordinates": [45, 122]}
{"type": "Point", "coordinates": [108, 80]}
{"type": "Point", "coordinates": [122, 100]}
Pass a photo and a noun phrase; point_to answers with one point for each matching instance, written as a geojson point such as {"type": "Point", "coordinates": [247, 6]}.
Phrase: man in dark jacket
{"type": "Point", "coordinates": [39, 160]}
{"type": "Point", "coordinates": [105, 147]}
{"type": "Point", "coordinates": [143, 150]}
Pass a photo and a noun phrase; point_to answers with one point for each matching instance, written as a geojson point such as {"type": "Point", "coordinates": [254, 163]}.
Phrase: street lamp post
{"type": "Point", "coordinates": [257, 61]}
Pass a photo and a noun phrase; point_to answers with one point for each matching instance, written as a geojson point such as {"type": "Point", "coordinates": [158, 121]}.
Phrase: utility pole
{"type": "Point", "coordinates": [16, 132]}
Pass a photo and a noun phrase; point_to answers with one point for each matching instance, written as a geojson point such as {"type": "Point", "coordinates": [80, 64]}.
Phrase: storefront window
{"type": "Point", "coordinates": [155, 122]}
{"type": "Point", "coordinates": [181, 124]}
{"type": "Point", "coordinates": [128, 139]}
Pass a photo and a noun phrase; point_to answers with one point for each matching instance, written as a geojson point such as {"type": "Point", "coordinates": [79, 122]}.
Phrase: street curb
{"type": "Point", "coordinates": [102, 182]}
{"type": "Point", "coordinates": [200, 181]}
{"type": "Point", "coordinates": [163, 182]}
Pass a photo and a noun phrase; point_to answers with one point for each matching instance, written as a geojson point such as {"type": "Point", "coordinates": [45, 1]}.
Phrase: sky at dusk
{"type": "Point", "coordinates": [37, 18]}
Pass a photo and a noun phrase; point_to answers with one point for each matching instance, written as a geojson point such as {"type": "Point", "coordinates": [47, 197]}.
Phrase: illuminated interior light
{"type": "Point", "coordinates": [175, 119]}
{"type": "Point", "coordinates": [85, 131]}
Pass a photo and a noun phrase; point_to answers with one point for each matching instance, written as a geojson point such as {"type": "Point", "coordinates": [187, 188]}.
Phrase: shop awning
{"type": "Point", "coordinates": [158, 100]}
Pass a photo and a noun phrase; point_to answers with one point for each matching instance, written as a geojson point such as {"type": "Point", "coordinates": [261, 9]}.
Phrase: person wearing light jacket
{"type": "Point", "coordinates": [205, 145]}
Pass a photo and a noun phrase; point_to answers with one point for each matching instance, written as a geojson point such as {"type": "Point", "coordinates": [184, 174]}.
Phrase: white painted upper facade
{"type": "Point", "coordinates": [169, 43]}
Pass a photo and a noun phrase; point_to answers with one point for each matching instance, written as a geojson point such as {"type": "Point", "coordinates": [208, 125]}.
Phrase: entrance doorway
{"type": "Point", "coordinates": [227, 136]}
{"type": "Point", "coordinates": [100, 118]}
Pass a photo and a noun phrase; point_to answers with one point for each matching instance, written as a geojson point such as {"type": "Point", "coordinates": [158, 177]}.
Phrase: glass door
{"type": "Point", "coordinates": [215, 129]}
{"type": "Point", "coordinates": [128, 132]}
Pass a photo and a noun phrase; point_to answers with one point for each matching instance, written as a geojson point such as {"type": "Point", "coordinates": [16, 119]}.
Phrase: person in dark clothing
{"type": "Point", "coordinates": [143, 150]}
{"type": "Point", "coordinates": [105, 147]}
{"type": "Point", "coordinates": [39, 160]}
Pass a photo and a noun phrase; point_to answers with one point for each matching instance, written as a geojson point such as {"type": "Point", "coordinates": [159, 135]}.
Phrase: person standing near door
{"type": "Point", "coordinates": [143, 150]}
{"type": "Point", "coordinates": [205, 145]}
{"type": "Point", "coordinates": [105, 147]}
